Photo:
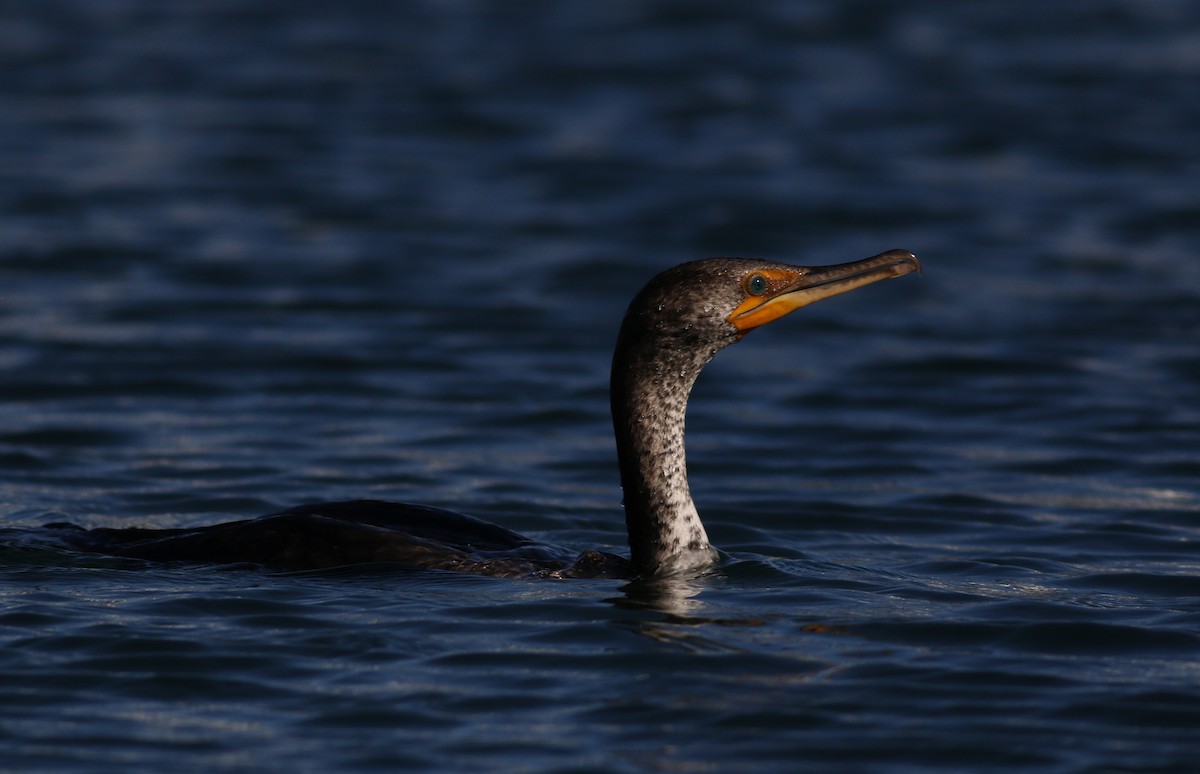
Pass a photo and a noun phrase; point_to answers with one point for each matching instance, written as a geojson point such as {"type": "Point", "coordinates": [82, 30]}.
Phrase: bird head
{"type": "Point", "coordinates": [703, 306]}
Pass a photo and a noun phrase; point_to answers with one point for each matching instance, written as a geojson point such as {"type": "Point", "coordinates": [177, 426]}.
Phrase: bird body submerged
{"type": "Point", "coordinates": [673, 327]}
{"type": "Point", "coordinates": [338, 534]}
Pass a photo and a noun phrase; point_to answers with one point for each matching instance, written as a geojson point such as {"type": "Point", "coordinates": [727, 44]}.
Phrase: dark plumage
{"type": "Point", "coordinates": [673, 327]}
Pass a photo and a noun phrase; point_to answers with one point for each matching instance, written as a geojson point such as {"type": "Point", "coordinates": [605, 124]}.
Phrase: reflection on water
{"type": "Point", "coordinates": [675, 597]}
{"type": "Point", "coordinates": [256, 254]}
{"type": "Point", "coordinates": [677, 614]}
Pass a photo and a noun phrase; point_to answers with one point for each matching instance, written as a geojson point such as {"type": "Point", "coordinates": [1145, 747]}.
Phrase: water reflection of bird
{"type": "Point", "coordinates": [673, 327]}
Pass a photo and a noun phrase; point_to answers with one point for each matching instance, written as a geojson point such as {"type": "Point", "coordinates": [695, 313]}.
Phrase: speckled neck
{"type": "Point", "coordinates": [648, 405]}
{"type": "Point", "coordinates": [656, 361]}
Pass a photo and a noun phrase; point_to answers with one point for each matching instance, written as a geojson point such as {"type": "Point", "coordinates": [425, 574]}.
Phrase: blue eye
{"type": "Point", "coordinates": [756, 285]}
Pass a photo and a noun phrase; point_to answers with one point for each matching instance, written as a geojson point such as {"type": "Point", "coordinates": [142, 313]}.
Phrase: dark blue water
{"type": "Point", "coordinates": [258, 254]}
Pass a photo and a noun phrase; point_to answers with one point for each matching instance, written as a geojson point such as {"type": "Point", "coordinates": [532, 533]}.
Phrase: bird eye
{"type": "Point", "coordinates": [756, 285]}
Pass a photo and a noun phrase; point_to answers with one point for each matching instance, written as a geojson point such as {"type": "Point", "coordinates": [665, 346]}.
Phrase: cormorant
{"type": "Point", "coordinates": [673, 327]}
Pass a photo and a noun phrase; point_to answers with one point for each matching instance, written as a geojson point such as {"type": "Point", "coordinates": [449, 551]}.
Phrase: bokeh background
{"type": "Point", "coordinates": [259, 253]}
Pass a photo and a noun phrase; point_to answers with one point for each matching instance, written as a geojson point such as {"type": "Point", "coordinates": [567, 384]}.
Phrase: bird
{"type": "Point", "coordinates": [673, 327]}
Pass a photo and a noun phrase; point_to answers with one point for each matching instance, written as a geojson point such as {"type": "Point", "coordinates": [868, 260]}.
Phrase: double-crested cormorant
{"type": "Point", "coordinates": [673, 327]}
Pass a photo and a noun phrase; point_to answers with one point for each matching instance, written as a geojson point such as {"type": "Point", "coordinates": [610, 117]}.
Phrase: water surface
{"type": "Point", "coordinates": [253, 255]}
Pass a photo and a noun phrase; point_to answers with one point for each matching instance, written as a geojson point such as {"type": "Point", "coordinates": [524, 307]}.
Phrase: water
{"type": "Point", "coordinates": [253, 255]}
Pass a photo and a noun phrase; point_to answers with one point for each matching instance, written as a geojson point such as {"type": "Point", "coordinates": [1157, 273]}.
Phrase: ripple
{"type": "Point", "coordinates": [257, 255]}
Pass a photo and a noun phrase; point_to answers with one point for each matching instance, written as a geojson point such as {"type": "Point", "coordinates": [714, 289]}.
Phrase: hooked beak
{"type": "Point", "coordinates": [794, 288]}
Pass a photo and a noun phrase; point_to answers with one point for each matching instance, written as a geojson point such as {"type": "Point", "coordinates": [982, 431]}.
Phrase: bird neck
{"type": "Point", "coordinates": [649, 393]}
